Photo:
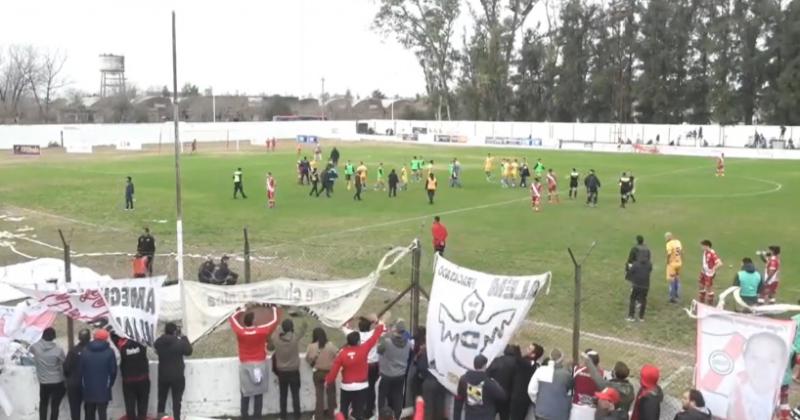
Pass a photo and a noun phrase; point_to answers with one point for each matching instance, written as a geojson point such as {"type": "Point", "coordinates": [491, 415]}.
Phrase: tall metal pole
{"type": "Point", "coordinates": [213, 106]}
{"type": "Point", "coordinates": [68, 279]}
{"type": "Point", "coordinates": [576, 314]}
{"type": "Point", "coordinates": [246, 257]}
{"type": "Point", "coordinates": [416, 255]}
{"type": "Point", "coordinates": [178, 201]}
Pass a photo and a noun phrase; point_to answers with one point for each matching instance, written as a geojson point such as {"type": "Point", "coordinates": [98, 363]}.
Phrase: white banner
{"type": "Point", "coordinates": [25, 321]}
{"type": "Point", "coordinates": [741, 362]}
{"type": "Point", "coordinates": [131, 305]}
{"type": "Point", "coordinates": [333, 302]}
{"type": "Point", "coordinates": [473, 313]}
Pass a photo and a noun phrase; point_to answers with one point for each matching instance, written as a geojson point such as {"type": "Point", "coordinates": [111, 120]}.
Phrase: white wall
{"type": "Point", "coordinates": [212, 389]}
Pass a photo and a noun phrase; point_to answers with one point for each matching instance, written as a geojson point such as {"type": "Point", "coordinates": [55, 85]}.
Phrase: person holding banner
{"type": "Point", "coordinates": [252, 342]}
{"type": "Point", "coordinates": [49, 357]}
{"type": "Point", "coordinates": [394, 351]}
{"type": "Point", "coordinates": [171, 348]}
{"type": "Point", "coordinates": [481, 393]}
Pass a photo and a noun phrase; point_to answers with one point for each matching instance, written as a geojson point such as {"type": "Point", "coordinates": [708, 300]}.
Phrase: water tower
{"type": "Point", "coordinates": [112, 74]}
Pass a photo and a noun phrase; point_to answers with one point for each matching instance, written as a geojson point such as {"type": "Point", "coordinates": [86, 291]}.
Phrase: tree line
{"type": "Point", "coordinates": [645, 61]}
{"type": "Point", "coordinates": [29, 73]}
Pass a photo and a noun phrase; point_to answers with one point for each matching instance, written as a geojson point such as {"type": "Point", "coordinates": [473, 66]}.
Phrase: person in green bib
{"type": "Point", "coordinates": [349, 171]}
{"type": "Point", "coordinates": [538, 169]}
{"type": "Point", "coordinates": [749, 281]}
{"type": "Point", "coordinates": [380, 184]}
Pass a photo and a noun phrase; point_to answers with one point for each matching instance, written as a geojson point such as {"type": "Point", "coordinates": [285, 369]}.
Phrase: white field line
{"type": "Point", "coordinates": [668, 381]}
{"type": "Point", "coordinates": [64, 218]}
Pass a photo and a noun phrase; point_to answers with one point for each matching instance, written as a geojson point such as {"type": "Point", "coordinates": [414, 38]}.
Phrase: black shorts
{"type": "Point", "coordinates": [347, 177]}
{"type": "Point", "coordinates": [573, 185]}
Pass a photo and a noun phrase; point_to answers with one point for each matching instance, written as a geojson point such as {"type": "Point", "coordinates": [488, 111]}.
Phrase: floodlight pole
{"type": "Point", "coordinates": [178, 201]}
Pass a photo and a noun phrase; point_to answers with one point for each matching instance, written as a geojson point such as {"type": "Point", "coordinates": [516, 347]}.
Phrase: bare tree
{"type": "Point", "coordinates": [13, 84]}
{"type": "Point", "coordinates": [43, 73]}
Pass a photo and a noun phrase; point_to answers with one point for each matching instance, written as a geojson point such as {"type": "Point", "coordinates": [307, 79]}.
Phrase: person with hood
{"type": "Point", "coordinates": [251, 340]}
{"type": "Point", "coordinates": [135, 370]}
{"type": "Point", "coordinates": [608, 406]}
{"type": "Point", "coordinates": [49, 358]}
{"type": "Point", "coordinates": [519, 401]}
{"type": "Point", "coordinates": [394, 351]}
{"type": "Point", "coordinates": [502, 370]}
{"type": "Point", "coordinates": [352, 361]}
{"type": "Point", "coordinates": [287, 364]}
{"type": "Point", "coordinates": [637, 271]}
{"type": "Point", "coordinates": [619, 382]}
{"type": "Point", "coordinates": [647, 405]}
{"type": "Point", "coordinates": [479, 391]}
{"type": "Point", "coordinates": [98, 368]}
{"type": "Point", "coordinates": [171, 348]}
{"type": "Point", "coordinates": [550, 389]}
{"type": "Point", "coordinates": [73, 375]}
{"type": "Point", "coordinates": [694, 407]}
{"type": "Point", "coordinates": [749, 281]}
{"type": "Point", "coordinates": [320, 355]}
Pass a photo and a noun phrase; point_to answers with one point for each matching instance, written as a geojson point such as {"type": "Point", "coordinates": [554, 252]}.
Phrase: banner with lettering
{"type": "Point", "coordinates": [26, 321]}
{"type": "Point", "coordinates": [130, 305]}
{"type": "Point", "coordinates": [333, 302]}
{"type": "Point", "coordinates": [473, 313]}
{"type": "Point", "coordinates": [742, 361]}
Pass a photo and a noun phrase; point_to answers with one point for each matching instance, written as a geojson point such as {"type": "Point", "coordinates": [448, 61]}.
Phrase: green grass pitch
{"type": "Point", "coordinates": [491, 229]}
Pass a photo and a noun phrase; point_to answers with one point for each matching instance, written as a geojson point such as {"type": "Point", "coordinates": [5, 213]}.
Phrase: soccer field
{"type": "Point", "coordinates": [491, 228]}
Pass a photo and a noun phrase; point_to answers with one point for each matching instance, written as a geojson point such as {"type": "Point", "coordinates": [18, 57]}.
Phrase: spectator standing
{"type": "Point", "coordinates": [171, 348]}
{"type": "Point", "coordinates": [479, 391]}
{"type": "Point", "coordinates": [637, 271]}
{"type": "Point", "coordinates": [502, 369]}
{"type": "Point", "coordinates": [366, 329]}
{"type": "Point", "coordinates": [749, 282]}
{"type": "Point", "coordinates": [146, 246]}
{"type": "Point", "coordinates": [73, 375]}
{"type": "Point", "coordinates": [430, 187]}
{"type": "Point", "coordinates": [320, 355]}
{"type": "Point", "coordinates": [252, 343]}
{"type": "Point", "coordinates": [608, 406]}
{"type": "Point", "coordinates": [584, 388]}
{"type": "Point", "coordinates": [334, 156]}
{"type": "Point", "coordinates": [647, 405]}
{"type": "Point", "coordinates": [550, 389]}
{"type": "Point", "coordinates": [98, 368]}
{"type": "Point", "coordinates": [49, 359]}
{"type": "Point", "coordinates": [393, 181]}
{"type": "Point", "coordinates": [129, 190]}
{"type": "Point", "coordinates": [439, 233]}
{"type": "Point", "coordinates": [694, 407]}
{"type": "Point", "coordinates": [359, 186]}
{"type": "Point", "coordinates": [135, 370]}
{"type": "Point", "coordinates": [287, 364]}
{"type": "Point", "coordinates": [353, 362]}
{"type": "Point", "coordinates": [520, 402]}
{"type": "Point", "coordinates": [394, 351]}
{"type": "Point", "coordinates": [619, 382]}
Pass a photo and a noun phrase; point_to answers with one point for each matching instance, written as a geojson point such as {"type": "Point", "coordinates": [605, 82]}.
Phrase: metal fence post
{"type": "Point", "coordinates": [576, 314]}
{"type": "Point", "coordinates": [68, 279]}
{"type": "Point", "coordinates": [246, 257]}
{"type": "Point", "coordinates": [416, 257]}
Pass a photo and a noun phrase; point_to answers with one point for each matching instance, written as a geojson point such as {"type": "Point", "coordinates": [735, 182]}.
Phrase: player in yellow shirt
{"type": "Point", "coordinates": [488, 166]}
{"type": "Point", "coordinates": [506, 172]}
{"type": "Point", "coordinates": [514, 172]}
{"type": "Point", "coordinates": [403, 178]}
{"type": "Point", "coordinates": [674, 264]}
{"type": "Point", "coordinates": [361, 172]}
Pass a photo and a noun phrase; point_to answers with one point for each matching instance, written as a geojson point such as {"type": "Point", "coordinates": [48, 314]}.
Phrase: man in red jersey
{"type": "Point", "coordinates": [352, 361]}
{"type": "Point", "coordinates": [439, 233]}
{"type": "Point", "coordinates": [552, 187]}
{"type": "Point", "coordinates": [252, 342]}
{"type": "Point", "coordinates": [711, 262]}
{"type": "Point", "coordinates": [771, 273]}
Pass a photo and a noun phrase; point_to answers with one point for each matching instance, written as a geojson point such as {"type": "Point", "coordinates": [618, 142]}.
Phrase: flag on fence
{"type": "Point", "coordinates": [25, 322]}
{"type": "Point", "coordinates": [471, 313]}
{"type": "Point", "coordinates": [741, 362]}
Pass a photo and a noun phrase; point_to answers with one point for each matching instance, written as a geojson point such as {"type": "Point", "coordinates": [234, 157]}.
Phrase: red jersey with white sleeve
{"type": "Point", "coordinates": [252, 341]}
{"type": "Point", "coordinates": [772, 270]}
{"type": "Point", "coordinates": [552, 182]}
{"type": "Point", "coordinates": [720, 162]}
{"type": "Point", "coordinates": [584, 386]}
{"type": "Point", "coordinates": [270, 187]}
{"type": "Point", "coordinates": [352, 361]}
{"type": "Point", "coordinates": [536, 190]}
{"type": "Point", "coordinates": [711, 262]}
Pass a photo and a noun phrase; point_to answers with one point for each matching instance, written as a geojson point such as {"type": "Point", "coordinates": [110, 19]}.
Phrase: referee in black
{"type": "Point", "coordinates": [573, 183]}
{"type": "Point", "coordinates": [592, 184]}
{"type": "Point", "coordinates": [625, 188]}
{"type": "Point", "coordinates": [237, 183]}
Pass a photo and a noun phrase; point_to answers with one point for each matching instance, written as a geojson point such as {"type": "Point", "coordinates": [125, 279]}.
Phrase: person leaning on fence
{"type": "Point", "coordinates": [394, 350]}
{"type": "Point", "coordinates": [694, 407]}
{"type": "Point", "coordinates": [502, 370]}
{"type": "Point", "coordinates": [49, 358]}
{"type": "Point", "coordinates": [749, 282]}
{"type": "Point", "coordinates": [135, 371]}
{"type": "Point", "coordinates": [647, 405]}
{"type": "Point", "coordinates": [479, 392]}
{"type": "Point", "coordinates": [550, 389]}
{"type": "Point", "coordinates": [252, 342]}
{"type": "Point", "coordinates": [519, 401]}
{"type": "Point", "coordinates": [320, 355]}
{"type": "Point", "coordinates": [171, 348]}
{"type": "Point", "coordinates": [73, 375]}
{"type": "Point", "coordinates": [618, 381]}
{"type": "Point", "coordinates": [637, 271]}
{"type": "Point", "coordinates": [98, 368]}
{"type": "Point", "coordinates": [286, 361]}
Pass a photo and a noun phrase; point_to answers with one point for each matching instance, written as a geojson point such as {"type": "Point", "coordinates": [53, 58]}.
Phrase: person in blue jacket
{"type": "Point", "coordinates": [98, 369]}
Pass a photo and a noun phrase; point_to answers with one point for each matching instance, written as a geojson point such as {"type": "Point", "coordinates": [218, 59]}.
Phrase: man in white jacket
{"type": "Point", "coordinates": [549, 389]}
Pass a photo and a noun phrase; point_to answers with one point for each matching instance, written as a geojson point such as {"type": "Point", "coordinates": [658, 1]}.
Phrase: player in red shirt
{"type": "Point", "coordinates": [536, 194]}
{"type": "Point", "coordinates": [270, 190]}
{"type": "Point", "coordinates": [439, 233]}
{"type": "Point", "coordinates": [721, 165]}
{"type": "Point", "coordinates": [352, 361]}
{"type": "Point", "coordinates": [552, 187]}
{"type": "Point", "coordinates": [711, 262]}
{"type": "Point", "coordinates": [252, 342]}
{"type": "Point", "coordinates": [771, 273]}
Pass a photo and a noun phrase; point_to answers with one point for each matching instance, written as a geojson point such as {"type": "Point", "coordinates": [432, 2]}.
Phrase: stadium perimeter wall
{"type": "Point", "coordinates": [595, 137]}
{"type": "Point", "coordinates": [212, 390]}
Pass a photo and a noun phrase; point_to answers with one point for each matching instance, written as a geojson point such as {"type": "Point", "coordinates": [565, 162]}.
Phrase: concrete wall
{"type": "Point", "coordinates": [212, 390]}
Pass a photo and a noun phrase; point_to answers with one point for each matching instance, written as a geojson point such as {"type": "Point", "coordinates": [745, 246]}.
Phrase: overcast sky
{"type": "Point", "coordinates": [253, 46]}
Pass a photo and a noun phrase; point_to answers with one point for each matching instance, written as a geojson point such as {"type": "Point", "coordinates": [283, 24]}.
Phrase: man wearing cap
{"type": "Point", "coordinates": [608, 406]}
{"type": "Point", "coordinates": [98, 369]}
{"type": "Point", "coordinates": [394, 351]}
{"type": "Point", "coordinates": [481, 393]}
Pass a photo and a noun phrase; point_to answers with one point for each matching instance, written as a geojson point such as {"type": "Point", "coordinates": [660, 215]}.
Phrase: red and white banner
{"type": "Point", "coordinates": [86, 306]}
{"type": "Point", "coordinates": [25, 322]}
{"type": "Point", "coordinates": [741, 362]}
